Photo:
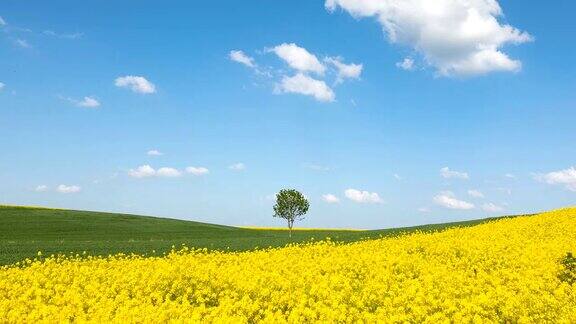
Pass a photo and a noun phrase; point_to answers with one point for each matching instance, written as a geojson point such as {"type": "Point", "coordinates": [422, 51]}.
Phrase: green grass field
{"type": "Point", "coordinates": [26, 230]}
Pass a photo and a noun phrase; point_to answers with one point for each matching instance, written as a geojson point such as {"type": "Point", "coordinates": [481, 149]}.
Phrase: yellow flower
{"type": "Point", "coordinates": [502, 271]}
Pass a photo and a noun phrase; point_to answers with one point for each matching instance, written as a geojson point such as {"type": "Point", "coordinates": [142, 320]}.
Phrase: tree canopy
{"type": "Point", "coordinates": [290, 205]}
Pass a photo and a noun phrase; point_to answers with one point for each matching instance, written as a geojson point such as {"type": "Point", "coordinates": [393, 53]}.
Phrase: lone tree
{"type": "Point", "coordinates": [290, 205]}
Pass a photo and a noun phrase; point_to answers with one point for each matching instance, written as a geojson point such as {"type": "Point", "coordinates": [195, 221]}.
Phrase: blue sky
{"type": "Point", "coordinates": [382, 117]}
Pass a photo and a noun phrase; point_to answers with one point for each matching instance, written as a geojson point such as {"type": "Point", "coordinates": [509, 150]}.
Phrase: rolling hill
{"type": "Point", "coordinates": [26, 230]}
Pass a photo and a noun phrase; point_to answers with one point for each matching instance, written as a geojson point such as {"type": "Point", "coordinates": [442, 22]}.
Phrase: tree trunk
{"type": "Point", "coordinates": [290, 223]}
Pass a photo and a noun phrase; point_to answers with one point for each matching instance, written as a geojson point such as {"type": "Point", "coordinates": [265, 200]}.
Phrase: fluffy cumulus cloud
{"type": "Point", "coordinates": [308, 75]}
{"type": "Point", "coordinates": [475, 193]}
{"type": "Point", "coordinates": [446, 173]}
{"type": "Point", "coordinates": [168, 172]}
{"type": "Point", "coordinates": [306, 85]}
{"type": "Point", "coordinates": [65, 189]}
{"type": "Point", "coordinates": [492, 208]}
{"type": "Point", "coordinates": [447, 199]}
{"type": "Point", "coordinates": [345, 71]}
{"type": "Point", "coordinates": [137, 84]}
{"type": "Point", "coordinates": [197, 171]}
{"type": "Point", "coordinates": [330, 198]}
{"type": "Point", "coordinates": [361, 196]}
{"type": "Point", "coordinates": [242, 58]}
{"type": "Point", "coordinates": [154, 153]}
{"type": "Point", "coordinates": [299, 58]}
{"type": "Point", "coordinates": [237, 167]}
{"type": "Point", "coordinates": [456, 37]}
{"type": "Point", "coordinates": [566, 177]}
{"type": "Point", "coordinates": [143, 171]}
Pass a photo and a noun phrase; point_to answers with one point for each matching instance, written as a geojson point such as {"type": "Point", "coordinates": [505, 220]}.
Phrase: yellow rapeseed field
{"type": "Point", "coordinates": [501, 271]}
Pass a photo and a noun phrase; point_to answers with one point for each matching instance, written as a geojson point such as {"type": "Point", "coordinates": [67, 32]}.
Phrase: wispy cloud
{"type": "Point", "coordinates": [41, 188]}
{"type": "Point", "coordinates": [446, 173]}
{"type": "Point", "coordinates": [316, 167]}
{"type": "Point", "coordinates": [22, 43]}
{"type": "Point", "coordinates": [345, 71]}
{"type": "Point", "coordinates": [63, 35]}
{"type": "Point", "coordinates": [406, 64]}
{"type": "Point", "coordinates": [240, 57]}
{"type": "Point", "coordinates": [475, 193]}
{"type": "Point", "coordinates": [237, 166]}
{"type": "Point", "coordinates": [492, 208]}
{"type": "Point", "coordinates": [86, 102]}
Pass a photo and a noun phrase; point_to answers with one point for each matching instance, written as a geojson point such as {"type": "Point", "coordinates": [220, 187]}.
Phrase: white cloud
{"type": "Point", "coordinates": [146, 171]}
{"type": "Point", "coordinates": [2, 85]}
{"type": "Point", "coordinates": [363, 196]}
{"type": "Point", "coordinates": [65, 36]}
{"type": "Point", "coordinates": [237, 167]}
{"type": "Point", "coordinates": [406, 64]}
{"type": "Point", "coordinates": [509, 176]}
{"type": "Point", "coordinates": [448, 200]}
{"type": "Point", "coordinates": [41, 188]}
{"type": "Point", "coordinates": [447, 174]}
{"type": "Point", "coordinates": [565, 177]}
{"type": "Point", "coordinates": [305, 85]}
{"type": "Point", "coordinates": [456, 37]}
{"type": "Point", "coordinates": [197, 171]}
{"type": "Point", "coordinates": [168, 172]}
{"type": "Point", "coordinates": [330, 198]}
{"type": "Point", "coordinates": [397, 177]}
{"type": "Point", "coordinates": [88, 102]}
{"type": "Point", "coordinates": [240, 57]}
{"type": "Point", "coordinates": [424, 209]}
{"type": "Point", "coordinates": [299, 58]}
{"type": "Point", "coordinates": [143, 171]}
{"type": "Point", "coordinates": [492, 208]}
{"type": "Point", "coordinates": [2, 21]}
{"type": "Point", "coordinates": [505, 190]}
{"type": "Point", "coordinates": [22, 43]}
{"type": "Point", "coordinates": [345, 71]}
{"type": "Point", "coordinates": [154, 153]}
{"type": "Point", "coordinates": [68, 189]}
{"type": "Point", "coordinates": [475, 193]}
{"type": "Point", "coordinates": [135, 83]}
{"type": "Point", "coordinates": [316, 167]}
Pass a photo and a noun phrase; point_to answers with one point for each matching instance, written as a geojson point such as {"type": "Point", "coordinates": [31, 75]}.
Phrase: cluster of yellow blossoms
{"type": "Point", "coordinates": [501, 271]}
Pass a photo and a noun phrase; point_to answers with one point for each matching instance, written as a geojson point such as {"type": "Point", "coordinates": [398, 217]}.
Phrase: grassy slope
{"type": "Point", "coordinates": [24, 231]}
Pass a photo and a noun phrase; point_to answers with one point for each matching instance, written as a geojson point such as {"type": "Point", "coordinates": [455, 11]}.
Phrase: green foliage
{"type": "Point", "coordinates": [290, 205]}
{"type": "Point", "coordinates": [568, 273]}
